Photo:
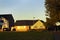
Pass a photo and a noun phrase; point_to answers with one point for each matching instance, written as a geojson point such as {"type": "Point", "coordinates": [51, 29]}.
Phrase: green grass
{"type": "Point", "coordinates": [26, 36]}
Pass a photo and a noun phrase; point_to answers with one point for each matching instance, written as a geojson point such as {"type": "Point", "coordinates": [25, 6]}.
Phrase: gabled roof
{"type": "Point", "coordinates": [25, 22]}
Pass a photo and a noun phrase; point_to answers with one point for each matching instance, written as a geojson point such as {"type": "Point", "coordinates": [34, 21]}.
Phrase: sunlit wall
{"type": "Point", "coordinates": [20, 28]}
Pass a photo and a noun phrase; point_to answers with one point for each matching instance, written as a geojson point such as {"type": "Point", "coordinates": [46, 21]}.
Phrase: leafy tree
{"type": "Point", "coordinates": [52, 11]}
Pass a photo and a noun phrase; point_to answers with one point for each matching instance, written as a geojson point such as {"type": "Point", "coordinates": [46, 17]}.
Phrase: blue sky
{"type": "Point", "coordinates": [23, 9]}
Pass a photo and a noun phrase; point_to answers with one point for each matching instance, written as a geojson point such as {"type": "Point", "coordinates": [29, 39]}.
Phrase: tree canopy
{"type": "Point", "coordinates": [52, 11]}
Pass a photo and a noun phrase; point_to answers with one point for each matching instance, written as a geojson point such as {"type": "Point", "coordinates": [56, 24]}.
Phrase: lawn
{"type": "Point", "coordinates": [26, 35]}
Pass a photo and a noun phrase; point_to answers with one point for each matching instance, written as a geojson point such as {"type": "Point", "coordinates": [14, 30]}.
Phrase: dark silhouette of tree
{"type": "Point", "coordinates": [52, 11]}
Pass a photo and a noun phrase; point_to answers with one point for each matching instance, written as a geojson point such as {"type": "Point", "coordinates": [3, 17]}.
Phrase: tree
{"type": "Point", "coordinates": [52, 11]}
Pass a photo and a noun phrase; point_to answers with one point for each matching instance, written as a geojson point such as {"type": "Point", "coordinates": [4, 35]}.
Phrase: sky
{"type": "Point", "coordinates": [23, 9]}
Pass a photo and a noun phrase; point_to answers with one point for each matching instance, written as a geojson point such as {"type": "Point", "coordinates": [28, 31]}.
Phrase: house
{"type": "Point", "coordinates": [6, 21]}
{"type": "Point", "coordinates": [26, 25]}
{"type": "Point", "coordinates": [38, 25]}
